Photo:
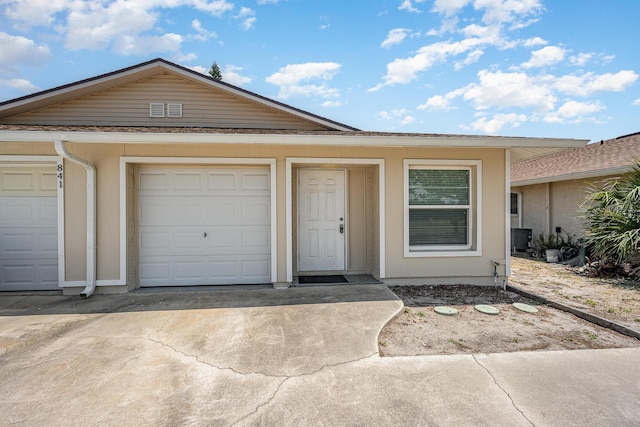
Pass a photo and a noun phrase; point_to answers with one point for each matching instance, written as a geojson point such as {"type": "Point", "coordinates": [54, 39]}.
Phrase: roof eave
{"type": "Point", "coordinates": [340, 139]}
{"type": "Point", "coordinates": [600, 173]}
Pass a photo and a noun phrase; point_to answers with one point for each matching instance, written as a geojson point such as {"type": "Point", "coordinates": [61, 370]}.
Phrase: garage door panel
{"type": "Point", "coordinates": [211, 270]}
{"type": "Point", "coordinates": [28, 228]}
{"type": "Point", "coordinates": [189, 270]}
{"type": "Point", "coordinates": [257, 212]}
{"type": "Point", "coordinates": [204, 226]}
{"type": "Point", "coordinates": [191, 240]}
{"type": "Point", "coordinates": [188, 181]}
{"type": "Point", "coordinates": [253, 181]}
{"type": "Point", "coordinates": [151, 270]}
{"type": "Point", "coordinates": [20, 274]}
{"type": "Point", "coordinates": [188, 210]}
{"type": "Point", "coordinates": [153, 181]}
{"type": "Point", "coordinates": [255, 268]}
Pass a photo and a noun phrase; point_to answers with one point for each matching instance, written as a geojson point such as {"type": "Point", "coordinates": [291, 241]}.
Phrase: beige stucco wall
{"type": "Point", "coordinates": [555, 204]}
{"type": "Point", "coordinates": [535, 208]}
{"type": "Point", "coordinates": [106, 158]}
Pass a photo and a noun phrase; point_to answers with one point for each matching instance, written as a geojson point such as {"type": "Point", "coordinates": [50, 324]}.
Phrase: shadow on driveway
{"type": "Point", "coordinates": [163, 299]}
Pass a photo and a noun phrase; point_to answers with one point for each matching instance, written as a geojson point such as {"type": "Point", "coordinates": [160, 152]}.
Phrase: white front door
{"type": "Point", "coordinates": [321, 220]}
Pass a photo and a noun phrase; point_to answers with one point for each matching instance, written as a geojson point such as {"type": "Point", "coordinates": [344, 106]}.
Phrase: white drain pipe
{"type": "Point", "coordinates": [91, 215]}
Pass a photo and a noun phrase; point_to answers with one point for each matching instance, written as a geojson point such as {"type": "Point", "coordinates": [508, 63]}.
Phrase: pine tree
{"type": "Point", "coordinates": [215, 71]}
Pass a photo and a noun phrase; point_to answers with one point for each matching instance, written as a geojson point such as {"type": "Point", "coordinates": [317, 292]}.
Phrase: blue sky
{"type": "Point", "coordinates": [499, 67]}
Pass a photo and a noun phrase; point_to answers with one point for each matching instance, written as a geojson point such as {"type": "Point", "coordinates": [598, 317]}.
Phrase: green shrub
{"type": "Point", "coordinates": [612, 213]}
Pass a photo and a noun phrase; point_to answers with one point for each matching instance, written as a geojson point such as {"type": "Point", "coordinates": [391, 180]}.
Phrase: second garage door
{"type": "Point", "coordinates": [204, 226]}
{"type": "Point", "coordinates": [28, 228]}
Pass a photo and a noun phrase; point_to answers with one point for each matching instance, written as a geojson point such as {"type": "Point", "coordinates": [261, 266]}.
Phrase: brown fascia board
{"type": "Point", "coordinates": [25, 101]}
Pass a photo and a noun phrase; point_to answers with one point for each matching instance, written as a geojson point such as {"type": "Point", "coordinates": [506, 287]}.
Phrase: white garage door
{"type": "Point", "coordinates": [28, 228]}
{"type": "Point", "coordinates": [204, 226]}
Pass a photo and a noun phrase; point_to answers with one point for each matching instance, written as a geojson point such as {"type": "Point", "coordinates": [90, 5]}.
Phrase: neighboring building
{"type": "Point", "coordinates": [547, 191]}
{"type": "Point", "coordinates": [156, 175]}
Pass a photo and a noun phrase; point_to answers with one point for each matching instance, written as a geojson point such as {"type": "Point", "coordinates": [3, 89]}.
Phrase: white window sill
{"type": "Point", "coordinates": [441, 254]}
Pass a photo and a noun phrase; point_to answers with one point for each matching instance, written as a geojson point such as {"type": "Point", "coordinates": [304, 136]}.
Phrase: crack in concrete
{"type": "Point", "coordinates": [204, 362]}
{"type": "Point", "coordinates": [304, 374]}
{"type": "Point", "coordinates": [495, 381]}
{"type": "Point", "coordinates": [284, 378]}
{"type": "Point", "coordinates": [269, 400]}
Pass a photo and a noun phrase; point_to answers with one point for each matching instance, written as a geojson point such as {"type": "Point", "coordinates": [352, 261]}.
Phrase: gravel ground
{"type": "Point", "coordinates": [421, 331]}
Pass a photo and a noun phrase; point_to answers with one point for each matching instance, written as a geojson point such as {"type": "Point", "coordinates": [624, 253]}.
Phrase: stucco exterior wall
{"type": "Point", "coordinates": [555, 204]}
{"type": "Point", "coordinates": [535, 208]}
{"type": "Point", "coordinates": [106, 158]}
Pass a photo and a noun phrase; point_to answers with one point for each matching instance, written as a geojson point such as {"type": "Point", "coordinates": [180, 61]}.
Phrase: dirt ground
{"type": "Point", "coordinates": [421, 331]}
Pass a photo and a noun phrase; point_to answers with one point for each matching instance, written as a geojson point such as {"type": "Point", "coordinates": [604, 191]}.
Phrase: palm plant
{"type": "Point", "coordinates": [612, 213]}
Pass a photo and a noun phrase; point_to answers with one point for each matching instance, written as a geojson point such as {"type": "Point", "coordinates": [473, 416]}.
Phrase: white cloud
{"type": "Point", "coordinates": [331, 104]}
{"type": "Point", "coordinates": [408, 120]}
{"type": "Point", "coordinates": [497, 123]}
{"type": "Point", "coordinates": [248, 17]}
{"type": "Point", "coordinates": [436, 103]}
{"type": "Point", "coordinates": [18, 50]}
{"type": "Point", "coordinates": [548, 55]}
{"type": "Point", "coordinates": [296, 73]}
{"type": "Point", "coordinates": [408, 6]}
{"type": "Point", "coordinates": [231, 74]}
{"type": "Point", "coordinates": [398, 112]}
{"type": "Point", "coordinates": [471, 58]}
{"type": "Point", "coordinates": [589, 83]}
{"type": "Point", "coordinates": [203, 33]}
{"type": "Point", "coordinates": [138, 45]}
{"type": "Point", "coordinates": [508, 11]}
{"type": "Point", "coordinates": [402, 71]}
{"type": "Point", "coordinates": [400, 115]}
{"type": "Point", "coordinates": [636, 103]}
{"type": "Point", "coordinates": [474, 37]}
{"type": "Point", "coordinates": [534, 41]}
{"type": "Point", "coordinates": [384, 115]}
{"type": "Point", "coordinates": [580, 59]}
{"type": "Point", "coordinates": [290, 77]}
{"type": "Point", "coordinates": [101, 24]}
{"type": "Point", "coordinates": [32, 13]}
{"type": "Point", "coordinates": [22, 85]}
{"type": "Point", "coordinates": [449, 7]}
{"type": "Point", "coordinates": [498, 89]}
{"type": "Point", "coordinates": [200, 69]}
{"type": "Point", "coordinates": [573, 112]}
{"type": "Point", "coordinates": [96, 26]}
{"type": "Point", "coordinates": [395, 36]}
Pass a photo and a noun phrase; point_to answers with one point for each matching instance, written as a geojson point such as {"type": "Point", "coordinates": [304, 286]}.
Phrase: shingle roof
{"type": "Point", "coordinates": [595, 159]}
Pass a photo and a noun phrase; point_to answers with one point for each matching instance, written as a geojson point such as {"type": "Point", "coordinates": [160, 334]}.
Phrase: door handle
{"type": "Point", "coordinates": [341, 228]}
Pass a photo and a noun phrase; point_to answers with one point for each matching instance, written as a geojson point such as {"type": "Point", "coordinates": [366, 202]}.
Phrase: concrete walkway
{"type": "Point", "coordinates": [293, 357]}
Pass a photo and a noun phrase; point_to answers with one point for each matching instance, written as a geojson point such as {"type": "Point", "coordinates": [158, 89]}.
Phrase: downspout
{"type": "Point", "coordinates": [91, 215]}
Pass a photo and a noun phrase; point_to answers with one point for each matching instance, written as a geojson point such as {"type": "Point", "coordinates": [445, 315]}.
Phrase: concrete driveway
{"type": "Point", "coordinates": [299, 356]}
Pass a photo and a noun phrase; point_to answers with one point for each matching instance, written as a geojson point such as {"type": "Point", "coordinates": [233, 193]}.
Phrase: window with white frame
{"type": "Point", "coordinates": [440, 215]}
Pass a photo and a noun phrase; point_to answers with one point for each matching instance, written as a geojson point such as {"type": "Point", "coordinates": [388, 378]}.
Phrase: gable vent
{"type": "Point", "coordinates": [174, 110]}
{"type": "Point", "coordinates": [156, 109]}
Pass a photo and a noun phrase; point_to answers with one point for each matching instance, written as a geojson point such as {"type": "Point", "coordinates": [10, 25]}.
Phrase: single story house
{"type": "Point", "coordinates": [547, 191]}
{"type": "Point", "coordinates": [156, 175]}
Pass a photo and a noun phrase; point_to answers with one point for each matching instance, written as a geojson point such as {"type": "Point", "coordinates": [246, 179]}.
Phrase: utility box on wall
{"type": "Point", "coordinates": [520, 238]}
